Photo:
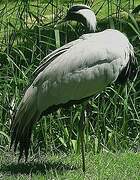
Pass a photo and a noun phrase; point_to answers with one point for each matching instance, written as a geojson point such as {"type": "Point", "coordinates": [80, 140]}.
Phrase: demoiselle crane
{"type": "Point", "coordinates": [72, 74]}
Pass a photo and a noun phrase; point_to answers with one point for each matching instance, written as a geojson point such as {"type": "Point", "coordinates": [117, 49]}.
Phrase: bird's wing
{"type": "Point", "coordinates": [95, 46]}
{"type": "Point", "coordinates": [52, 56]}
{"type": "Point", "coordinates": [83, 70]}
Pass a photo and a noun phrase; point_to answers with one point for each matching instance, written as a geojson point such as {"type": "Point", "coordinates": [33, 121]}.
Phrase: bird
{"type": "Point", "coordinates": [82, 13]}
{"type": "Point", "coordinates": [71, 75]}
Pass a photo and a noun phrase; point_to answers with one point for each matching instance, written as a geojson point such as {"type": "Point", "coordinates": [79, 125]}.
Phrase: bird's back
{"type": "Point", "coordinates": [84, 69]}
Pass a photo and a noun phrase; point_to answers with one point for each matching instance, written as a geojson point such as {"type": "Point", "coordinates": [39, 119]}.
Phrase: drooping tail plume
{"type": "Point", "coordinates": [21, 127]}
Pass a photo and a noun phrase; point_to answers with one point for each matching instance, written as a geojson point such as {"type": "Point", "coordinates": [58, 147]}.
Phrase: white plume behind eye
{"type": "Point", "coordinates": [90, 18]}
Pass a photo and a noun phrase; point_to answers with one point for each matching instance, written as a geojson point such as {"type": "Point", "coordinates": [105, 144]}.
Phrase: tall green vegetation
{"type": "Point", "coordinates": [27, 35]}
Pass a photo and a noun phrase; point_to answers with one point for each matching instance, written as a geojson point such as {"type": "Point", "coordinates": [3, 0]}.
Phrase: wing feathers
{"type": "Point", "coordinates": [52, 56]}
{"type": "Point", "coordinates": [26, 115]}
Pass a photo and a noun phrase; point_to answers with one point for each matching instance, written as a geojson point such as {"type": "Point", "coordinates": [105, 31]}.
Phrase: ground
{"type": "Point", "coordinates": [100, 166]}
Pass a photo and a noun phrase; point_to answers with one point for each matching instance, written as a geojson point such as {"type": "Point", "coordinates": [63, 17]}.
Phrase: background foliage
{"type": "Point", "coordinates": [27, 34]}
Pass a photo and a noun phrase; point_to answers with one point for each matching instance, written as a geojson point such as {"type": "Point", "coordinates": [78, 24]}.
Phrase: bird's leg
{"type": "Point", "coordinates": [81, 133]}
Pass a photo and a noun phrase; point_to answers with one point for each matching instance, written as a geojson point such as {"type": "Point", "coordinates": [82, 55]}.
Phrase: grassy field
{"type": "Point", "coordinates": [113, 116]}
{"type": "Point", "coordinates": [101, 166]}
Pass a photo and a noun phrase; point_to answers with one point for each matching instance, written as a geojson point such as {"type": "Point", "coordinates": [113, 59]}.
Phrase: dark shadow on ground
{"type": "Point", "coordinates": [35, 167]}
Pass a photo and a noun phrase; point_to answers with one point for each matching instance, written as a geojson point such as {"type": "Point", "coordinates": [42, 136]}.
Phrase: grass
{"type": "Point", "coordinates": [113, 116]}
{"type": "Point", "coordinates": [100, 166]}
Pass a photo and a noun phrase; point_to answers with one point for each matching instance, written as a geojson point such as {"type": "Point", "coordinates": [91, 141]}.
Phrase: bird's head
{"type": "Point", "coordinates": [83, 14]}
